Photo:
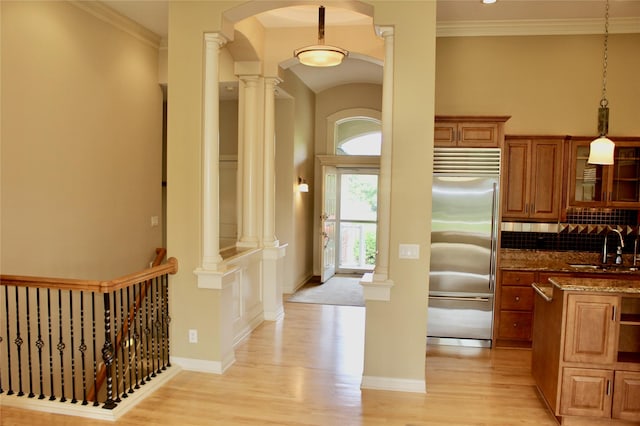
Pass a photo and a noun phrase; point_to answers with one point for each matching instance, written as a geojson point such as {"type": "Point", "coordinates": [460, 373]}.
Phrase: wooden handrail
{"type": "Point", "coordinates": [171, 267]}
{"type": "Point", "coordinates": [102, 373]}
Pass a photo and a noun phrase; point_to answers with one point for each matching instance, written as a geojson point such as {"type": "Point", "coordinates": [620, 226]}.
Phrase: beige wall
{"type": "Point", "coordinates": [81, 144]}
{"type": "Point", "coordinates": [549, 84]}
{"type": "Point", "coordinates": [294, 157]}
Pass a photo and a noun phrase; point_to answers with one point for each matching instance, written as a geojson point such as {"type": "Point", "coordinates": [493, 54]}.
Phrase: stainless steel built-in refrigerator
{"type": "Point", "coordinates": [464, 234]}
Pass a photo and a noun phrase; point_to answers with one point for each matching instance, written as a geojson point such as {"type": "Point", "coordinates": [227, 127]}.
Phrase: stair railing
{"type": "Point", "coordinates": [58, 341]}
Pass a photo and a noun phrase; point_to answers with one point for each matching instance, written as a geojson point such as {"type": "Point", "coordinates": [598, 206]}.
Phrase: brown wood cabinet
{"type": "Point", "coordinates": [586, 354]}
{"type": "Point", "coordinates": [514, 306]}
{"type": "Point", "coordinates": [532, 178]}
{"type": "Point", "coordinates": [469, 131]}
{"type": "Point", "coordinates": [616, 185]}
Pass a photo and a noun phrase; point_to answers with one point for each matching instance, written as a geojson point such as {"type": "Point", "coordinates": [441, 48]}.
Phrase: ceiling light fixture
{"type": "Point", "coordinates": [320, 55]}
{"type": "Point", "coordinates": [488, 1]}
{"type": "Point", "coordinates": [601, 149]}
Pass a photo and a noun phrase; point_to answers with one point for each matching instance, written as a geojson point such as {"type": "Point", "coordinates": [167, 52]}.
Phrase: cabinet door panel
{"type": "Point", "coordinates": [444, 134]}
{"type": "Point", "coordinates": [586, 392]}
{"type": "Point", "coordinates": [516, 180]}
{"type": "Point", "coordinates": [546, 179]}
{"type": "Point", "coordinates": [478, 134]}
{"type": "Point", "coordinates": [591, 328]}
{"type": "Point", "coordinates": [587, 180]}
{"type": "Point", "coordinates": [626, 396]}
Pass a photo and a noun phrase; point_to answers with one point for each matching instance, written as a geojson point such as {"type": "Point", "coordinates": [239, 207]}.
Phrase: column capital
{"type": "Point", "coordinates": [216, 38]}
{"type": "Point", "coordinates": [385, 31]}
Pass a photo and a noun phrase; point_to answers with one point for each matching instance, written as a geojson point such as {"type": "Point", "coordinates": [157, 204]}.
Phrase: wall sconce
{"type": "Point", "coordinates": [302, 185]}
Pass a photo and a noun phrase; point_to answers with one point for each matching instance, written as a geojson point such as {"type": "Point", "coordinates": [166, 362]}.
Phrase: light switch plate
{"type": "Point", "coordinates": [409, 251]}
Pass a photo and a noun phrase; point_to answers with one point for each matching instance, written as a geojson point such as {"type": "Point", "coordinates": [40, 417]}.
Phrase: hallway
{"type": "Point", "coordinates": [306, 370]}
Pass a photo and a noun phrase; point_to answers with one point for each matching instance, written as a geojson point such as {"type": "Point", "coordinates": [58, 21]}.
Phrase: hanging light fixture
{"type": "Point", "coordinates": [320, 55]}
{"type": "Point", "coordinates": [601, 149]}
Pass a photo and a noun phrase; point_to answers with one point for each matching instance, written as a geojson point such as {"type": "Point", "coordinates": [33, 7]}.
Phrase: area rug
{"type": "Point", "coordinates": [338, 290]}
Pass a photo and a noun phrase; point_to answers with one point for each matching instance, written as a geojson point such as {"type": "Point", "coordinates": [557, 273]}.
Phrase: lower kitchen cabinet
{"type": "Point", "coordinates": [586, 355]}
{"type": "Point", "coordinates": [626, 399]}
{"type": "Point", "coordinates": [514, 308]}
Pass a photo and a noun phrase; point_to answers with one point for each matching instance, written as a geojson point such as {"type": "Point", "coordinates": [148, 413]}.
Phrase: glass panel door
{"type": "Point", "coordinates": [626, 175]}
{"type": "Point", "coordinates": [357, 221]}
{"type": "Point", "coordinates": [587, 178]}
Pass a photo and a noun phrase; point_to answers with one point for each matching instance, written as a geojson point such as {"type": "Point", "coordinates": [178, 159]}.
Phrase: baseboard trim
{"type": "Point", "coordinates": [89, 411]}
{"type": "Point", "coordinates": [204, 366]}
{"type": "Point", "coordinates": [393, 384]}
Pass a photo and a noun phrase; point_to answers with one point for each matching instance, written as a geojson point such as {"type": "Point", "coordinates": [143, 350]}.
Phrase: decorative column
{"type": "Point", "coordinates": [377, 286]}
{"type": "Point", "coordinates": [249, 235]}
{"type": "Point", "coordinates": [214, 273]}
{"type": "Point", "coordinates": [273, 253]}
{"type": "Point", "coordinates": [211, 155]}
{"type": "Point", "coordinates": [269, 164]}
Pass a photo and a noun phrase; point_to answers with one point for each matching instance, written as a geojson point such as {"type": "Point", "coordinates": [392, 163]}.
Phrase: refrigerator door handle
{"type": "Point", "coordinates": [461, 299]}
{"type": "Point", "coordinates": [494, 238]}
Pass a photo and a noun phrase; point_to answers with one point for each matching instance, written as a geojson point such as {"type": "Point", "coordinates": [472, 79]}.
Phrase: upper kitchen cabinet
{"type": "Point", "coordinates": [616, 185]}
{"type": "Point", "coordinates": [469, 131]}
{"type": "Point", "coordinates": [532, 178]}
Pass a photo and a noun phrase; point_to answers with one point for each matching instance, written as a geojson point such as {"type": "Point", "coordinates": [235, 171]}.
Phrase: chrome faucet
{"type": "Point", "coordinates": [605, 254]}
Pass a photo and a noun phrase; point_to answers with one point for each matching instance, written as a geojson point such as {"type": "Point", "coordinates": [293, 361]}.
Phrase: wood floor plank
{"type": "Point", "coordinates": [306, 370]}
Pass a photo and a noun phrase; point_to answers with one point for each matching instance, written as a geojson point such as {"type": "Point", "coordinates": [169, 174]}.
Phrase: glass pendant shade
{"type": "Point", "coordinates": [320, 55]}
{"type": "Point", "coordinates": [601, 151]}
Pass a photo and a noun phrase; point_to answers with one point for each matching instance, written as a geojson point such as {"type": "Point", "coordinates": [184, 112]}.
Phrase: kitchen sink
{"type": "Point", "coordinates": [584, 266]}
{"type": "Point", "coordinates": [592, 267]}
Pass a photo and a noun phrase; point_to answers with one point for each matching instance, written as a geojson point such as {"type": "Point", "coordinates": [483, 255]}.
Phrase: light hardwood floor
{"type": "Point", "coordinates": [306, 370]}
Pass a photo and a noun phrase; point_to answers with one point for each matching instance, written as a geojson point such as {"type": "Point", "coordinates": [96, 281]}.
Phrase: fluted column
{"type": "Point", "coordinates": [250, 141]}
{"type": "Point", "coordinates": [269, 238]}
{"type": "Point", "coordinates": [211, 155]}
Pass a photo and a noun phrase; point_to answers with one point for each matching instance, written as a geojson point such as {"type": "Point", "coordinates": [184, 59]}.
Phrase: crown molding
{"type": "Point", "coordinates": [536, 27]}
{"type": "Point", "coordinates": [117, 20]}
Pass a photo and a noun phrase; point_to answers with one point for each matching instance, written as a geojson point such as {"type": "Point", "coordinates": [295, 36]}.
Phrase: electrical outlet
{"type": "Point", "coordinates": [193, 336]}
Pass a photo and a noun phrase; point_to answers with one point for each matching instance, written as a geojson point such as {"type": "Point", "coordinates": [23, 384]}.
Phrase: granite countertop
{"type": "Point", "coordinates": [596, 284]}
{"type": "Point", "coordinates": [561, 261]}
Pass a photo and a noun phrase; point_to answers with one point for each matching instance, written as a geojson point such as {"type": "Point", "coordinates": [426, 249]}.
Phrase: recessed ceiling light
{"type": "Point", "coordinates": [488, 1]}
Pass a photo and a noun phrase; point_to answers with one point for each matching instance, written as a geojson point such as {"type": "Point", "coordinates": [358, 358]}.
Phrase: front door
{"type": "Point", "coordinates": [328, 223]}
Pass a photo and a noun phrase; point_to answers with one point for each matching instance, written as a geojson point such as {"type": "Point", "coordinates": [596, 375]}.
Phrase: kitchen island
{"type": "Point", "coordinates": [586, 348]}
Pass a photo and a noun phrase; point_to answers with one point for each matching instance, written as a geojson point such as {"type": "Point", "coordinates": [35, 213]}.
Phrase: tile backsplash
{"type": "Point", "coordinates": [571, 236]}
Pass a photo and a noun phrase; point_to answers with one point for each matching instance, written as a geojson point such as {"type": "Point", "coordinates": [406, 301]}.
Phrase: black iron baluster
{"type": "Point", "coordinates": [95, 351]}
{"type": "Point", "coordinates": [26, 293]}
{"type": "Point", "coordinates": [167, 319]}
{"type": "Point", "coordinates": [73, 352]}
{"type": "Point", "coordinates": [137, 342]}
{"type": "Point", "coordinates": [147, 332]}
{"type": "Point", "coordinates": [50, 328]}
{"type": "Point", "coordinates": [61, 345]}
{"type": "Point", "coordinates": [141, 332]}
{"type": "Point", "coordinates": [158, 324]}
{"type": "Point", "coordinates": [152, 326]}
{"type": "Point", "coordinates": [83, 349]}
{"type": "Point", "coordinates": [122, 342]}
{"type": "Point", "coordinates": [129, 360]}
{"type": "Point", "coordinates": [116, 361]}
{"type": "Point", "coordinates": [18, 342]}
{"type": "Point", "coordinates": [6, 301]}
{"type": "Point", "coordinates": [40, 345]}
{"type": "Point", "coordinates": [107, 353]}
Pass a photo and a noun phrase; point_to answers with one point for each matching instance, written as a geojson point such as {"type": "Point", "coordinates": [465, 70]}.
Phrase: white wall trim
{"type": "Point", "coordinates": [203, 365]}
{"type": "Point", "coordinates": [89, 411]}
{"type": "Point", "coordinates": [119, 21]}
{"type": "Point", "coordinates": [528, 27]}
{"type": "Point", "coordinates": [393, 384]}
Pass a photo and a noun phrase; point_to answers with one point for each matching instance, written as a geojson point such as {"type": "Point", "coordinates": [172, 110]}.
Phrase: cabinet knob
{"type": "Point", "coordinates": [517, 298]}
{"type": "Point", "coordinates": [515, 325]}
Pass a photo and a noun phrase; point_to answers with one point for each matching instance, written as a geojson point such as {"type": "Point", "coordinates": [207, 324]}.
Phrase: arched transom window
{"type": "Point", "coordinates": [358, 136]}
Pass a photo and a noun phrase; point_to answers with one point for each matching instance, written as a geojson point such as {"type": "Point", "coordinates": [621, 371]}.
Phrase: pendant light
{"type": "Point", "coordinates": [601, 149]}
{"type": "Point", "coordinates": [320, 55]}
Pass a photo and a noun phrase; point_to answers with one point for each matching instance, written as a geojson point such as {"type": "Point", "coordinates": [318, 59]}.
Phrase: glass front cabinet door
{"type": "Point", "coordinates": [616, 185]}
